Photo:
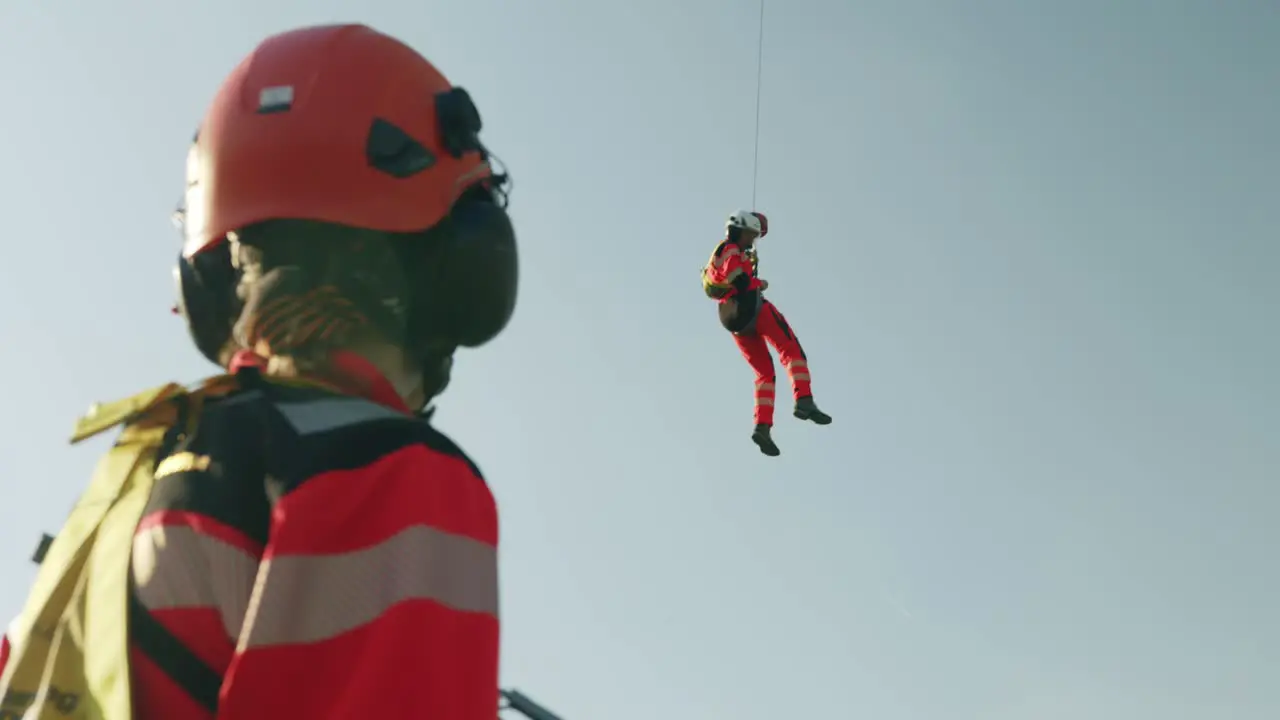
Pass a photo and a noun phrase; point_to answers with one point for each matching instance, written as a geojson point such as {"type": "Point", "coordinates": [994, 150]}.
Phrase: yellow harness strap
{"type": "Point", "coordinates": [69, 647]}
{"type": "Point", "coordinates": [715, 290]}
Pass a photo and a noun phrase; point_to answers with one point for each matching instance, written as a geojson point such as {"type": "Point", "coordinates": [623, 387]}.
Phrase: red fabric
{"type": "Point", "coordinates": [367, 381]}
{"type": "Point", "coordinates": [4, 652]}
{"type": "Point", "coordinates": [156, 697]}
{"type": "Point", "coordinates": [418, 659]}
{"type": "Point", "coordinates": [361, 377]}
{"type": "Point", "coordinates": [729, 262]}
{"type": "Point", "coordinates": [246, 359]}
{"type": "Point", "coordinates": [345, 510]}
{"type": "Point", "coordinates": [413, 658]}
{"type": "Point", "coordinates": [205, 526]}
{"type": "Point", "coordinates": [199, 627]}
{"type": "Point", "coordinates": [772, 329]}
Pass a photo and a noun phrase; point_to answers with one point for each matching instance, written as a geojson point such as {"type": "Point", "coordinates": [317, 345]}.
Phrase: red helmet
{"type": "Point", "coordinates": [298, 129]}
{"type": "Point", "coordinates": [345, 125]}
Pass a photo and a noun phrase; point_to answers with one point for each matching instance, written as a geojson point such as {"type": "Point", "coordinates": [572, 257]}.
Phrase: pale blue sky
{"type": "Point", "coordinates": [1033, 249]}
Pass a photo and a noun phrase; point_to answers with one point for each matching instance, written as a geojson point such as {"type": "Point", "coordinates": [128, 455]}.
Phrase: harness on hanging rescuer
{"type": "Point", "coordinates": [731, 277]}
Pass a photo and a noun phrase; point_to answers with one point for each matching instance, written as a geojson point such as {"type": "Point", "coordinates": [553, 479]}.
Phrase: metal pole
{"type": "Point", "coordinates": [522, 704]}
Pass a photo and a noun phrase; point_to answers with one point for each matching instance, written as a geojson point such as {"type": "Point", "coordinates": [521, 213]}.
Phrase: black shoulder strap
{"type": "Point", "coordinates": [176, 660]}
{"type": "Point", "coordinates": [152, 639]}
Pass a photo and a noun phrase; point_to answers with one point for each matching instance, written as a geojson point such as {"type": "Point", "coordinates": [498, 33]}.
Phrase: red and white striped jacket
{"type": "Point", "coordinates": [315, 555]}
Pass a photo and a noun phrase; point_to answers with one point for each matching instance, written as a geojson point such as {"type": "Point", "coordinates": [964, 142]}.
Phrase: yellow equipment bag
{"type": "Point", "coordinates": [69, 648]}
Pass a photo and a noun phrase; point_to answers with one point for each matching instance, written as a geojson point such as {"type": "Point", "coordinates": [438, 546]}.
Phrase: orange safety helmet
{"type": "Point", "coordinates": [291, 134]}
{"type": "Point", "coordinates": [345, 125]}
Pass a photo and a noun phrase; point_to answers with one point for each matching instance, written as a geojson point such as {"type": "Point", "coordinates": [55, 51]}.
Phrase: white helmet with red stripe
{"type": "Point", "coordinates": [745, 220]}
{"type": "Point", "coordinates": [764, 222]}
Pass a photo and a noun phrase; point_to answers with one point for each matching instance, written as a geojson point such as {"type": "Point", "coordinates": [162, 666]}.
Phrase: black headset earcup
{"type": "Point", "coordinates": [206, 285]}
{"type": "Point", "coordinates": [471, 270]}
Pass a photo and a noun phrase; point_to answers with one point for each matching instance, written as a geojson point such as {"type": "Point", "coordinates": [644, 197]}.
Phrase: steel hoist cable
{"type": "Point", "coordinates": [755, 169]}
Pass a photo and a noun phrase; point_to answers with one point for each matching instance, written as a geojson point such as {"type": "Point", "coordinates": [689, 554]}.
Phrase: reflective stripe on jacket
{"type": "Point", "coordinates": [296, 553]}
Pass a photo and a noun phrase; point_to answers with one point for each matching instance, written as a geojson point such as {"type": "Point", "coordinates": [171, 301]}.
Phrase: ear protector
{"type": "Point", "coordinates": [206, 298]}
{"type": "Point", "coordinates": [463, 272]}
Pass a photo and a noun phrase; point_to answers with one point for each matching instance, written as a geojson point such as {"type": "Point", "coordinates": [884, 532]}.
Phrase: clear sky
{"type": "Point", "coordinates": [1032, 248]}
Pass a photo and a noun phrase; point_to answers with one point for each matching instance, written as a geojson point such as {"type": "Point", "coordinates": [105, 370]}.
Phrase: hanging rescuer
{"type": "Point", "coordinates": [730, 277]}
{"type": "Point", "coordinates": [293, 538]}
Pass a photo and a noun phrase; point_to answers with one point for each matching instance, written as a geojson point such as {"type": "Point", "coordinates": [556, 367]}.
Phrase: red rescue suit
{"type": "Point", "coordinates": [756, 324]}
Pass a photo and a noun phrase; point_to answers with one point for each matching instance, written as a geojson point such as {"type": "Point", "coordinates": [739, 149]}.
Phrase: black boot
{"type": "Point", "coordinates": [762, 437]}
{"type": "Point", "coordinates": [807, 410]}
